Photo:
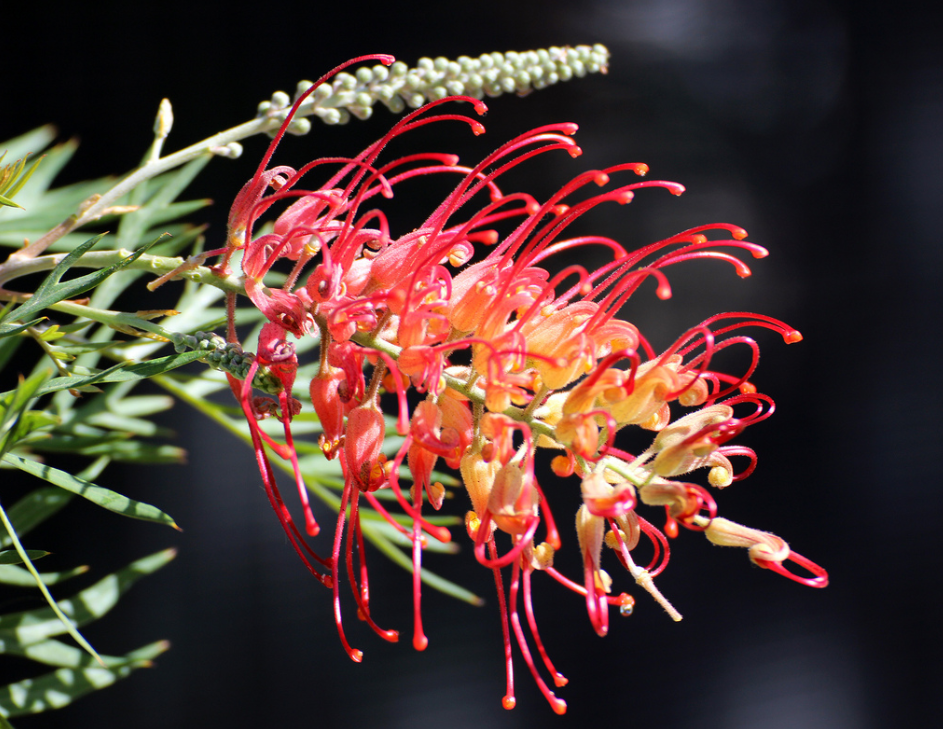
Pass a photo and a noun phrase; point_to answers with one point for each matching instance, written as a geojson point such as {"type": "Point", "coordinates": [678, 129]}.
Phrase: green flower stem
{"type": "Point", "coordinates": [70, 628]}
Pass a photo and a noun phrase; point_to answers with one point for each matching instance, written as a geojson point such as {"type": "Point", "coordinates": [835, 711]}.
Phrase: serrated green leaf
{"type": "Point", "coordinates": [19, 577]}
{"type": "Point", "coordinates": [33, 626]}
{"type": "Point", "coordinates": [106, 498]}
{"type": "Point", "coordinates": [11, 556]}
{"type": "Point", "coordinates": [65, 685]}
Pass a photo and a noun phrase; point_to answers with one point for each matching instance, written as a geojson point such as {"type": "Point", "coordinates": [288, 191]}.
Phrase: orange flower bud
{"type": "Point", "coordinates": [365, 430]}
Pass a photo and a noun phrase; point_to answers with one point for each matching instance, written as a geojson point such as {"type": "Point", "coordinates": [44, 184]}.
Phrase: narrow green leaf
{"type": "Point", "coordinates": [19, 577]}
{"type": "Point", "coordinates": [177, 211]}
{"type": "Point", "coordinates": [123, 372]}
{"type": "Point", "coordinates": [11, 556]}
{"type": "Point", "coordinates": [33, 509]}
{"type": "Point", "coordinates": [44, 294]}
{"type": "Point", "coordinates": [14, 403]}
{"type": "Point", "coordinates": [53, 162]}
{"type": "Point", "coordinates": [33, 626]}
{"type": "Point", "coordinates": [32, 141]}
{"type": "Point", "coordinates": [372, 521]}
{"type": "Point", "coordinates": [136, 426]}
{"type": "Point", "coordinates": [8, 347]}
{"type": "Point", "coordinates": [9, 203]}
{"type": "Point", "coordinates": [106, 498]}
{"type": "Point", "coordinates": [434, 581]}
{"type": "Point", "coordinates": [51, 290]}
{"type": "Point", "coordinates": [65, 685]}
{"type": "Point", "coordinates": [81, 443]}
{"type": "Point", "coordinates": [29, 422]}
{"type": "Point", "coordinates": [57, 653]}
{"type": "Point", "coordinates": [54, 610]}
{"type": "Point", "coordinates": [118, 449]}
{"type": "Point", "coordinates": [139, 406]}
{"type": "Point", "coordinates": [23, 177]}
{"type": "Point", "coordinates": [77, 348]}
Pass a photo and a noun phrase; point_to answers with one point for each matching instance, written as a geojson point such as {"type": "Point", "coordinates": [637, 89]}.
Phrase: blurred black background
{"type": "Point", "coordinates": [815, 125]}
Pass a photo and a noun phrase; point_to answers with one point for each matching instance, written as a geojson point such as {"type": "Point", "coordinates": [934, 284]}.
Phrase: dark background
{"type": "Point", "coordinates": [815, 125]}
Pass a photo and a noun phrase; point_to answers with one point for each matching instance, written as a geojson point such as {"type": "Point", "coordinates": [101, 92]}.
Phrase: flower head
{"type": "Point", "coordinates": [511, 360]}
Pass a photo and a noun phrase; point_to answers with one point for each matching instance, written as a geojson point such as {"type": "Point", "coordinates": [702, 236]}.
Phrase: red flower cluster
{"type": "Point", "coordinates": [551, 366]}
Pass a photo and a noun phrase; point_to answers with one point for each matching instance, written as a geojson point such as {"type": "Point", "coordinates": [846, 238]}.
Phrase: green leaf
{"type": "Point", "coordinates": [55, 159]}
{"type": "Point", "coordinates": [45, 292]}
{"type": "Point", "coordinates": [33, 509]}
{"type": "Point", "coordinates": [106, 498]}
{"type": "Point", "coordinates": [113, 446]}
{"type": "Point", "coordinates": [11, 556]}
{"type": "Point", "coordinates": [63, 686]}
{"type": "Point", "coordinates": [123, 372]}
{"type": "Point", "coordinates": [14, 403]}
{"type": "Point", "coordinates": [51, 291]}
{"type": "Point", "coordinates": [19, 577]}
{"type": "Point", "coordinates": [135, 426]}
{"type": "Point", "coordinates": [33, 626]}
{"type": "Point", "coordinates": [159, 192]}
{"type": "Point", "coordinates": [54, 609]}
{"type": "Point", "coordinates": [32, 141]}
{"type": "Point", "coordinates": [140, 405]}
{"type": "Point", "coordinates": [30, 422]}
{"type": "Point", "coordinates": [430, 578]}
{"type": "Point", "coordinates": [8, 347]}
{"type": "Point", "coordinates": [57, 653]}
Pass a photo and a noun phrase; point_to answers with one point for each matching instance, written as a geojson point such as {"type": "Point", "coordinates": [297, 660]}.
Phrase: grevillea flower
{"type": "Point", "coordinates": [507, 360]}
